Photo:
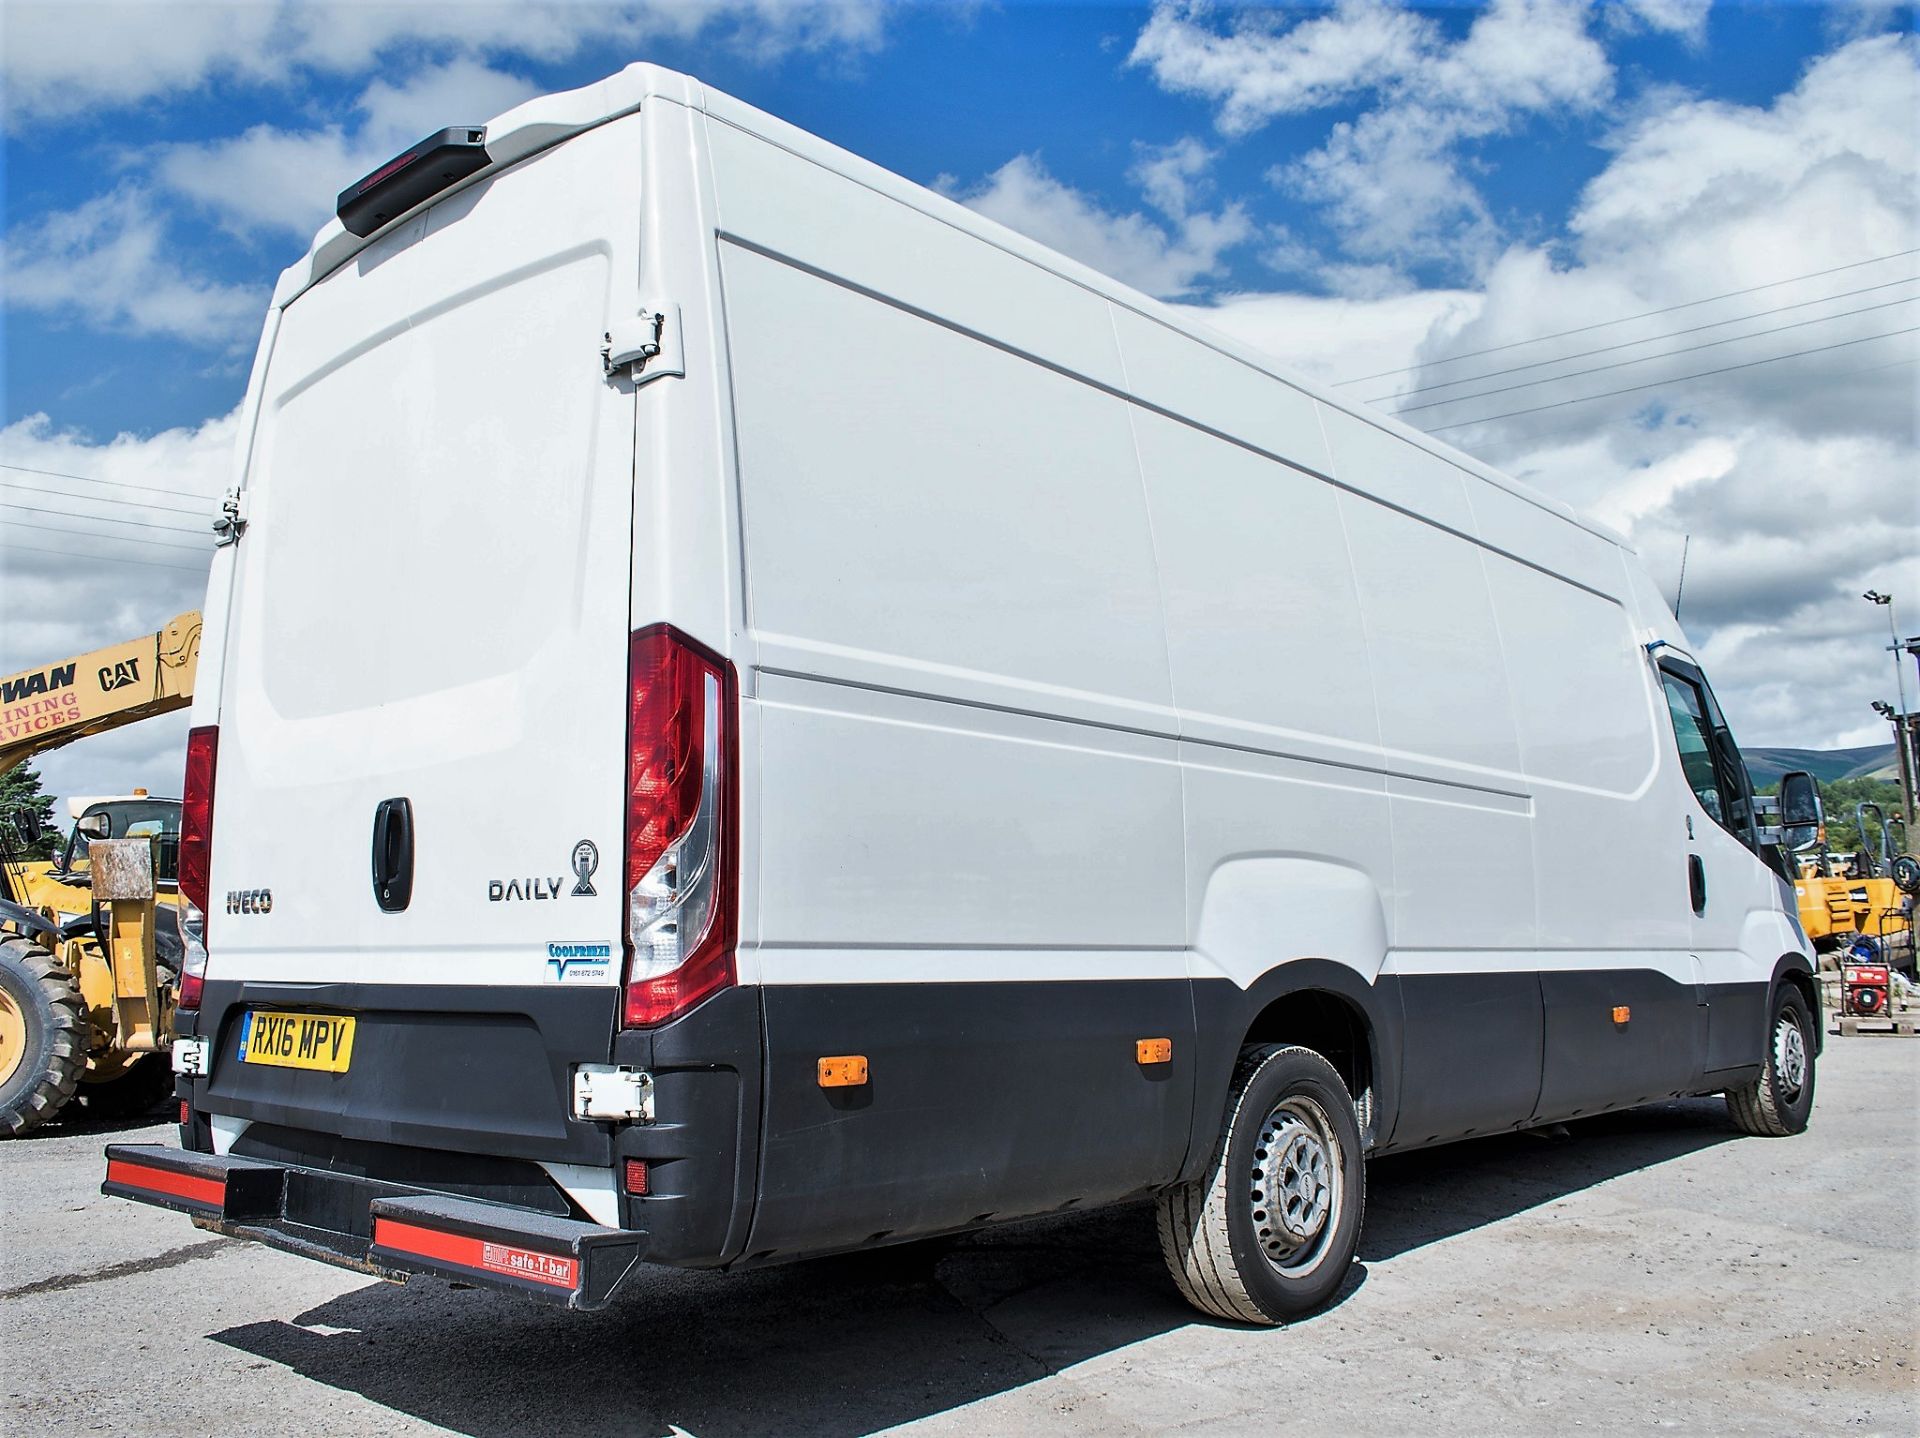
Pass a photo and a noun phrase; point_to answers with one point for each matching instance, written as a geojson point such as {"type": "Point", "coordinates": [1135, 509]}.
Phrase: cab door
{"type": "Point", "coordinates": [1726, 881]}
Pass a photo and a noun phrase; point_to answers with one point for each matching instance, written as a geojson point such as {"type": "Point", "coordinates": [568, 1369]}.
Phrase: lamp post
{"type": "Point", "coordinates": [1902, 724]}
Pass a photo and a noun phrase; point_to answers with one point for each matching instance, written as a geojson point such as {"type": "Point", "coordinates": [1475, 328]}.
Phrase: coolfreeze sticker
{"type": "Point", "coordinates": [579, 963]}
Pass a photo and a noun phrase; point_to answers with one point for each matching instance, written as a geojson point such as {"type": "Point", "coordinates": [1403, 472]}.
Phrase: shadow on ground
{"type": "Point", "coordinates": [850, 1345]}
{"type": "Point", "coordinates": [77, 1121]}
{"type": "Point", "coordinates": [1420, 1198]}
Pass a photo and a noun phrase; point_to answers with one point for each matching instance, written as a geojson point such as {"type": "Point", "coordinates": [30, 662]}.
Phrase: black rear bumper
{"type": "Point", "coordinates": [379, 1228]}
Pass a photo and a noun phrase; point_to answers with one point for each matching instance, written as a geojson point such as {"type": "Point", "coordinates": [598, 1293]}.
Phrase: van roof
{"type": "Point", "coordinates": [547, 120]}
{"type": "Point", "coordinates": [78, 804]}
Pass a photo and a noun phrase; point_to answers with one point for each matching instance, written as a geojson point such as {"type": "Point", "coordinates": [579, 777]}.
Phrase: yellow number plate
{"type": "Point", "coordinates": [297, 1041]}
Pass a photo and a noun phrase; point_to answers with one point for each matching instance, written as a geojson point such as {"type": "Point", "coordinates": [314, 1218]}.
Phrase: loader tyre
{"type": "Point", "coordinates": [1270, 1231]}
{"type": "Point", "coordinates": [1780, 1101]}
{"type": "Point", "coordinates": [43, 1036]}
{"type": "Point", "coordinates": [141, 1088]}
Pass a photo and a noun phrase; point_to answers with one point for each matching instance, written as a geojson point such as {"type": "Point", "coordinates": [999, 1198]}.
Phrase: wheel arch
{"type": "Point", "coordinates": [1316, 1003]}
{"type": "Point", "coordinates": [1792, 968]}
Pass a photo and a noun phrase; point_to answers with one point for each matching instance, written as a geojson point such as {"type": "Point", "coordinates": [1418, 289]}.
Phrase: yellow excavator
{"type": "Point", "coordinates": [87, 977]}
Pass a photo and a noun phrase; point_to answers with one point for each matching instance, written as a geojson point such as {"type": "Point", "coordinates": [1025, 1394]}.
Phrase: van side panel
{"type": "Point", "coordinates": [1464, 927]}
{"type": "Point", "coordinates": [968, 822]}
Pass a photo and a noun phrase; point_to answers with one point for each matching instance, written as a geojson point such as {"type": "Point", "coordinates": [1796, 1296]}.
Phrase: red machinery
{"type": "Point", "coordinates": [1864, 990]}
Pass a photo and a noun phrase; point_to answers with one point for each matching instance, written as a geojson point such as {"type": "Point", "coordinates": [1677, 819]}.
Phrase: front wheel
{"type": "Point", "coordinates": [1271, 1230]}
{"type": "Point", "coordinates": [43, 1036]}
{"type": "Point", "coordinates": [1780, 1101]}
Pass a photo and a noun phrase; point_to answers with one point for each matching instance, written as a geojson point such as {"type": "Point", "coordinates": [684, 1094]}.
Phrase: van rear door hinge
{"type": "Point", "coordinates": [649, 343]}
{"type": "Point", "coordinates": [231, 522]}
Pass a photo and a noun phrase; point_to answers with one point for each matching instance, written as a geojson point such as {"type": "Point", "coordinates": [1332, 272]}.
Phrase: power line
{"type": "Point", "coordinates": [1648, 359]}
{"type": "Point", "coordinates": [90, 499]}
{"type": "Point", "coordinates": [88, 479]}
{"type": "Point", "coordinates": [1675, 379]}
{"type": "Point", "coordinates": [97, 518]}
{"type": "Point", "coordinates": [111, 538]}
{"type": "Point", "coordinates": [1829, 379]}
{"type": "Point", "coordinates": [108, 558]}
{"type": "Point", "coordinates": [1647, 340]}
{"type": "Point", "coordinates": [1628, 319]}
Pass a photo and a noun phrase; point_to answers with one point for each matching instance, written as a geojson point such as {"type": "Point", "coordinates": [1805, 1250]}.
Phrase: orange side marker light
{"type": "Point", "coordinates": [843, 1071]}
{"type": "Point", "coordinates": [1621, 1013]}
{"type": "Point", "coordinates": [1153, 1051]}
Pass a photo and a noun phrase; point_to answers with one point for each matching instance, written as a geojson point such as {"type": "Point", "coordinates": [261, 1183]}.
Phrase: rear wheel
{"type": "Point", "coordinates": [1270, 1232]}
{"type": "Point", "coordinates": [1780, 1101]}
{"type": "Point", "coordinates": [43, 1036]}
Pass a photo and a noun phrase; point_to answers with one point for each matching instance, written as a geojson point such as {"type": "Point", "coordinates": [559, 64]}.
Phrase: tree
{"type": "Point", "coordinates": [20, 794]}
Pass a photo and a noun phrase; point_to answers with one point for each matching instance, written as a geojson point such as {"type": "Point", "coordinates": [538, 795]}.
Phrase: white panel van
{"type": "Point", "coordinates": [748, 712]}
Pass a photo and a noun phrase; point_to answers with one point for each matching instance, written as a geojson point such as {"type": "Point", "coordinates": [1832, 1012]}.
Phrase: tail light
{"type": "Point", "coordinates": [682, 861]}
{"type": "Point", "coordinates": [196, 860]}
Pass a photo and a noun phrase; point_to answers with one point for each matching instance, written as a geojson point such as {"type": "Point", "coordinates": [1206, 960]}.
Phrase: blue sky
{"type": "Point", "coordinates": [1358, 189]}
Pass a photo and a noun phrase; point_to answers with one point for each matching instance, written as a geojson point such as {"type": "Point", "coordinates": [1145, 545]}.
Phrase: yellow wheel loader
{"type": "Point", "coordinates": [87, 967]}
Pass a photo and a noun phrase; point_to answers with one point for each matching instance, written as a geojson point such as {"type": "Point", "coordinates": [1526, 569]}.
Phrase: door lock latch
{"type": "Point", "coordinates": [612, 1091]}
{"type": "Point", "coordinates": [189, 1056]}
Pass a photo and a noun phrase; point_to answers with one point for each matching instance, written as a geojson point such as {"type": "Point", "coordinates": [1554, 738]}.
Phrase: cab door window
{"type": "Point", "coordinates": [1712, 762]}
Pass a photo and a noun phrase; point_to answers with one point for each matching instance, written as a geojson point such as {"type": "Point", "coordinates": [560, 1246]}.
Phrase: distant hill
{"type": "Point", "coordinates": [1826, 765]}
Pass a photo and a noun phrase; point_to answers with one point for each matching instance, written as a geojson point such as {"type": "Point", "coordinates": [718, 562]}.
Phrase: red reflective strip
{"type": "Point", "coordinates": [210, 1191]}
{"type": "Point", "coordinates": [480, 1254]}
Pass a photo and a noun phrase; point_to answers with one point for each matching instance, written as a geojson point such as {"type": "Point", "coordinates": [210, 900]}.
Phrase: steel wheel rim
{"type": "Point", "coordinates": [1789, 1056]}
{"type": "Point", "coordinates": [1296, 1186]}
{"type": "Point", "coordinates": [13, 1037]}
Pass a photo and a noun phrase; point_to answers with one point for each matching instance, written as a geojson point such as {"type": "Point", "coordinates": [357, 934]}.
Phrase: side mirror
{"type": "Point", "coordinates": [26, 824]}
{"type": "Point", "coordinates": [97, 826]}
{"type": "Point", "coordinates": [1800, 811]}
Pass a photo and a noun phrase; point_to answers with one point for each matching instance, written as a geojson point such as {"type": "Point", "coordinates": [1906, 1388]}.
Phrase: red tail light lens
{"type": "Point", "coordinates": [682, 825]}
{"type": "Point", "coordinates": [196, 858]}
{"type": "Point", "coordinates": [196, 815]}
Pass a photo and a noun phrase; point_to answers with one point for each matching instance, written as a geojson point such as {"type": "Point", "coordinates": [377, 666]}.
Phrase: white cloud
{"type": "Point", "coordinates": [1162, 259]}
{"type": "Point", "coordinates": [1394, 190]}
{"type": "Point", "coordinates": [64, 57]}
{"type": "Point", "coordinates": [1686, 18]}
{"type": "Point", "coordinates": [97, 582]}
{"type": "Point", "coordinates": [1172, 176]}
{"type": "Point", "coordinates": [1336, 338]}
{"type": "Point", "coordinates": [1393, 179]}
{"type": "Point", "coordinates": [1257, 73]}
{"type": "Point", "coordinates": [111, 263]}
{"type": "Point", "coordinates": [1703, 199]}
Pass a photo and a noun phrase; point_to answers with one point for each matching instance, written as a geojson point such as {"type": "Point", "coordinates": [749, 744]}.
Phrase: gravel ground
{"type": "Point", "coordinates": [1644, 1271]}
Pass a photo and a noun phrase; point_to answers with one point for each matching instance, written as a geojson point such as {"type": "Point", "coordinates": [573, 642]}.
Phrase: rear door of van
{"type": "Point", "coordinates": [421, 747]}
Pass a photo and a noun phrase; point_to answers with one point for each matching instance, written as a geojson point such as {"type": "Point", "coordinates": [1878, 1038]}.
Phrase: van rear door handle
{"type": "Point", "coordinates": [393, 854]}
{"type": "Point", "coordinates": [1696, 883]}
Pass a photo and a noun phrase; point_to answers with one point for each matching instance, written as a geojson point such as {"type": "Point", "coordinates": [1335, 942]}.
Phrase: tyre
{"type": "Point", "coordinates": [43, 1036]}
{"type": "Point", "coordinates": [1270, 1231]}
{"type": "Point", "coordinates": [1780, 1101]}
{"type": "Point", "coordinates": [141, 1088]}
{"type": "Point", "coordinates": [1906, 874]}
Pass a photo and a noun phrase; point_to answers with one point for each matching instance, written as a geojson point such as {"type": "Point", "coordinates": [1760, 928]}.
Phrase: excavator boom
{"type": "Point", "coordinates": [44, 708]}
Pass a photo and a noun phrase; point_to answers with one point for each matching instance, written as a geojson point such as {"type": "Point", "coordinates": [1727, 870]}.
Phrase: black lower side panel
{"type": "Point", "coordinates": [1470, 1061]}
{"type": "Point", "coordinates": [983, 1101]}
{"type": "Point", "coordinates": [987, 1100]}
{"type": "Point", "coordinates": [1737, 1025]}
{"type": "Point", "coordinates": [1594, 1061]}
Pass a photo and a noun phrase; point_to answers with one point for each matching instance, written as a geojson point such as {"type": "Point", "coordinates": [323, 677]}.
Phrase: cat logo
{"type": "Point", "coordinates": [120, 675]}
